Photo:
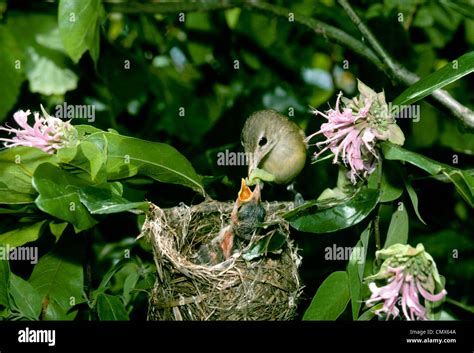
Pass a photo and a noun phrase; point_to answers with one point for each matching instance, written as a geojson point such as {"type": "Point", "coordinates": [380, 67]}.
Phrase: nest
{"type": "Point", "coordinates": [266, 287]}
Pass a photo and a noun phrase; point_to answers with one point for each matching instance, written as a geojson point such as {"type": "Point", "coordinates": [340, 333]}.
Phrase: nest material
{"type": "Point", "coordinates": [265, 288]}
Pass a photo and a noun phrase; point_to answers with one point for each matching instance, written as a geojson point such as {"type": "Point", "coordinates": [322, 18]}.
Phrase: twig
{"type": "Point", "coordinates": [463, 113]}
{"type": "Point", "coordinates": [370, 37]}
{"type": "Point", "coordinates": [88, 270]}
{"type": "Point", "coordinates": [167, 7]}
{"type": "Point", "coordinates": [460, 305]}
{"type": "Point", "coordinates": [406, 77]}
{"type": "Point", "coordinates": [319, 27]}
{"type": "Point", "coordinates": [378, 245]}
{"type": "Point", "coordinates": [378, 56]}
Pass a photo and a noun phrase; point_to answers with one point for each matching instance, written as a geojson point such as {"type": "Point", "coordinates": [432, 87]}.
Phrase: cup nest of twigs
{"type": "Point", "coordinates": [258, 281]}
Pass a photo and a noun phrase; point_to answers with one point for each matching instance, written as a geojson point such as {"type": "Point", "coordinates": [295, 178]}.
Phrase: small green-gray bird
{"type": "Point", "coordinates": [275, 147]}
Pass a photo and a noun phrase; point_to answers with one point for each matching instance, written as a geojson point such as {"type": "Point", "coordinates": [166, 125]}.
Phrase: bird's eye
{"type": "Point", "coordinates": [262, 141]}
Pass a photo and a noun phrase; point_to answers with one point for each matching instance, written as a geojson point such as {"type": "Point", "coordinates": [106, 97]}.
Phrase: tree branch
{"type": "Point", "coordinates": [320, 28]}
{"type": "Point", "coordinates": [154, 6]}
{"type": "Point", "coordinates": [378, 56]}
{"type": "Point", "coordinates": [401, 74]}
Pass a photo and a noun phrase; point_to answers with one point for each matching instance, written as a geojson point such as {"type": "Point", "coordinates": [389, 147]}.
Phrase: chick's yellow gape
{"type": "Point", "coordinates": [275, 147]}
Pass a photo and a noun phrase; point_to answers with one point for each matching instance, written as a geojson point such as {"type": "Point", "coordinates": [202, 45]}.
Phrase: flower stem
{"type": "Point", "coordinates": [460, 305]}
{"type": "Point", "coordinates": [378, 245]}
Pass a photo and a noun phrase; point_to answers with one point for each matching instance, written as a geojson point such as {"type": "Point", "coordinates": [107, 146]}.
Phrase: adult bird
{"type": "Point", "coordinates": [275, 147]}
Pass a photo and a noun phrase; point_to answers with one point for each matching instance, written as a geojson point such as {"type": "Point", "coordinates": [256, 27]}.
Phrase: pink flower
{"type": "Point", "coordinates": [47, 133]}
{"type": "Point", "coordinates": [352, 132]}
{"type": "Point", "coordinates": [411, 280]}
{"type": "Point", "coordinates": [348, 139]}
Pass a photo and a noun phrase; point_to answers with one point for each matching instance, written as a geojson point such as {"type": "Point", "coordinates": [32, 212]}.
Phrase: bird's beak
{"type": "Point", "coordinates": [254, 161]}
{"type": "Point", "coordinates": [247, 195]}
{"type": "Point", "coordinates": [255, 158]}
{"type": "Point", "coordinates": [257, 192]}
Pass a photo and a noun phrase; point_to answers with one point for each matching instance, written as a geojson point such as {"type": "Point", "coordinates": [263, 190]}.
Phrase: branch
{"type": "Point", "coordinates": [460, 305]}
{"type": "Point", "coordinates": [401, 74]}
{"type": "Point", "coordinates": [154, 6]}
{"type": "Point", "coordinates": [378, 244]}
{"type": "Point", "coordinates": [378, 56]}
{"type": "Point", "coordinates": [370, 37]}
{"type": "Point", "coordinates": [320, 28]}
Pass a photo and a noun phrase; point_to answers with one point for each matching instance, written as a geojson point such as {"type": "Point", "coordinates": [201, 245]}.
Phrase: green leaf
{"type": "Point", "coordinates": [390, 189]}
{"type": "Point", "coordinates": [58, 195]}
{"type": "Point", "coordinates": [365, 90]}
{"type": "Point", "coordinates": [462, 7]}
{"type": "Point", "coordinates": [455, 139]}
{"type": "Point", "coordinates": [264, 29]}
{"type": "Point", "coordinates": [427, 130]}
{"type": "Point", "coordinates": [232, 17]}
{"type": "Point", "coordinates": [4, 282]}
{"type": "Point", "coordinates": [79, 27]}
{"type": "Point", "coordinates": [87, 157]}
{"type": "Point", "coordinates": [99, 200]}
{"type": "Point", "coordinates": [199, 21]}
{"type": "Point", "coordinates": [339, 217]}
{"type": "Point", "coordinates": [57, 229]}
{"type": "Point", "coordinates": [129, 285]}
{"type": "Point", "coordinates": [464, 183]}
{"type": "Point", "coordinates": [51, 39]}
{"type": "Point", "coordinates": [111, 308]}
{"type": "Point", "coordinates": [18, 165]}
{"type": "Point", "coordinates": [128, 156]}
{"type": "Point", "coordinates": [423, 18]}
{"type": "Point", "coordinates": [270, 244]}
{"type": "Point", "coordinates": [367, 315]}
{"type": "Point", "coordinates": [22, 235]}
{"type": "Point", "coordinates": [355, 271]}
{"type": "Point", "coordinates": [251, 60]}
{"type": "Point", "coordinates": [390, 183]}
{"type": "Point", "coordinates": [108, 276]}
{"type": "Point", "coordinates": [414, 199]}
{"type": "Point", "coordinates": [147, 281]}
{"type": "Point", "coordinates": [462, 180]}
{"type": "Point", "coordinates": [11, 76]}
{"type": "Point", "coordinates": [45, 63]}
{"type": "Point", "coordinates": [395, 152]}
{"type": "Point", "coordinates": [85, 130]}
{"type": "Point", "coordinates": [26, 298]}
{"type": "Point", "coordinates": [331, 298]}
{"type": "Point", "coordinates": [24, 209]}
{"type": "Point", "coordinates": [58, 278]}
{"type": "Point", "coordinates": [5, 314]}
{"type": "Point", "coordinates": [398, 228]}
{"type": "Point", "coordinates": [451, 72]}
{"type": "Point", "coordinates": [200, 53]}
{"type": "Point", "coordinates": [49, 75]}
